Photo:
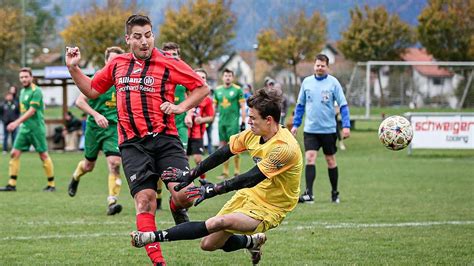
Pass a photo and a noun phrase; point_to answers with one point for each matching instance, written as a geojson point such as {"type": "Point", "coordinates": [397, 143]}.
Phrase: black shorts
{"type": "Point", "coordinates": [145, 159]}
{"type": "Point", "coordinates": [312, 142]}
{"type": "Point", "coordinates": [195, 146]}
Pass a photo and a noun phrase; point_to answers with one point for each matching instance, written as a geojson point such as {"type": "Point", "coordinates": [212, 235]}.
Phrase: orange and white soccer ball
{"type": "Point", "coordinates": [395, 132]}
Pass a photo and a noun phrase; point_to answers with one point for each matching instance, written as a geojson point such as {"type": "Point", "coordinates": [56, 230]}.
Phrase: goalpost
{"type": "Point", "coordinates": [414, 84]}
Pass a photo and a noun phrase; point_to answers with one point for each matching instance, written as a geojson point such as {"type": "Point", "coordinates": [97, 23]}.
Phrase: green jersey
{"type": "Point", "coordinates": [179, 96]}
{"type": "Point", "coordinates": [32, 97]}
{"type": "Point", "coordinates": [105, 105]}
{"type": "Point", "coordinates": [228, 101]}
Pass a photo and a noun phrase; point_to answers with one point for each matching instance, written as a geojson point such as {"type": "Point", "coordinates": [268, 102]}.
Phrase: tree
{"type": "Point", "coordinates": [446, 30]}
{"type": "Point", "coordinates": [202, 28]}
{"type": "Point", "coordinates": [375, 35]}
{"type": "Point", "coordinates": [10, 38]}
{"type": "Point", "coordinates": [97, 29]}
{"type": "Point", "coordinates": [296, 38]}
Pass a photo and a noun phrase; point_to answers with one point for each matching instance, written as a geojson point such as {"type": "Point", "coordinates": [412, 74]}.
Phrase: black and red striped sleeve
{"type": "Point", "coordinates": [182, 73]}
{"type": "Point", "coordinates": [103, 79]}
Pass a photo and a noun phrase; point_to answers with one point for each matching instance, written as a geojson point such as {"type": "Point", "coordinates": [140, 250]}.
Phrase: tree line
{"type": "Point", "coordinates": [205, 28]}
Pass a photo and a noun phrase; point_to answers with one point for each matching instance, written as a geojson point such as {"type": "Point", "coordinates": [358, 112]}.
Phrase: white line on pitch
{"type": "Point", "coordinates": [285, 226]}
{"type": "Point", "coordinates": [374, 225]}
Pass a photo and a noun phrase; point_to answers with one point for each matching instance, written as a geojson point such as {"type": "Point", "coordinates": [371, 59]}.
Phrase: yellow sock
{"type": "Point", "coordinates": [79, 171]}
{"type": "Point", "coordinates": [51, 181]}
{"type": "Point", "coordinates": [159, 190]}
{"type": "Point", "coordinates": [115, 183]}
{"type": "Point", "coordinates": [226, 168]}
{"type": "Point", "coordinates": [12, 181]}
{"type": "Point", "coordinates": [237, 164]}
{"type": "Point", "coordinates": [14, 167]}
{"type": "Point", "coordinates": [48, 167]}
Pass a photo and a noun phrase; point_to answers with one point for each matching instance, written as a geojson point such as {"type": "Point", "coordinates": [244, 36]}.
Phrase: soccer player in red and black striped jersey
{"type": "Point", "coordinates": [202, 114]}
{"type": "Point", "coordinates": [145, 80]}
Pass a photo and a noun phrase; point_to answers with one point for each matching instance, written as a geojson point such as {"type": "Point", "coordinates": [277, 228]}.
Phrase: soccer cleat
{"type": "Point", "coordinates": [256, 250]}
{"type": "Point", "coordinates": [306, 198]}
{"type": "Point", "coordinates": [179, 216]}
{"type": "Point", "coordinates": [335, 196]}
{"type": "Point", "coordinates": [49, 189]}
{"type": "Point", "coordinates": [114, 208]}
{"type": "Point", "coordinates": [72, 189]}
{"type": "Point", "coordinates": [141, 239]}
{"type": "Point", "coordinates": [8, 188]}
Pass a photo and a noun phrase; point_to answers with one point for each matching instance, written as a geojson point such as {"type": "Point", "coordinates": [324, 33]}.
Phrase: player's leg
{"type": "Point", "coordinates": [22, 143]}
{"type": "Point", "coordinates": [330, 149]}
{"type": "Point", "coordinates": [179, 203]}
{"type": "Point", "coordinates": [196, 149]}
{"type": "Point", "coordinates": [159, 194]}
{"type": "Point", "coordinates": [142, 179]}
{"type": "Point", "coordinates": [92, 146]}
{"type": "Point", "coordinates": [312, 146]}
{"type": "Point", "coordinates": [109, 139]}
{"type": "Point", "coordinates": [13, 169]}
{"type": "Point", "coordinates": [115, 184]}
{"type": "Point", "coordinates": [38, 141]}
{"type": "Point", "coordinates": [232, 130]}
{"type": "Point", "coordinates": [213, 231]}
{"type": "Point", "coordinates": [223, 139]}
{"type": "Point", "coordinates": [48, 170]}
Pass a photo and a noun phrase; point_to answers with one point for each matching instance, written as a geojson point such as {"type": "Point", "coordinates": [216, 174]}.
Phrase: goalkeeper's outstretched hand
{"type": "Point", "coordinates": [205, 191]}
{"type": "Point", "coordinates": [172, 174]}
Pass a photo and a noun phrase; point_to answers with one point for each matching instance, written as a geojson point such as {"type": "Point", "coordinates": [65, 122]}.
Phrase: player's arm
{"type": "Point", "coordinates": [299, 111]}
{"type": "Point", "coordinates": [83, 82]}
{"type": "Point", "coordinates": [81, 102]}
{"type": "Point", "coordinates": [194, 98]}
{"type": "Point", "coordinates": [208, 190]}
{"type": "Point", "coordinates": [13, 125]}
{"type": "Point", "coordinates": [185, 178]}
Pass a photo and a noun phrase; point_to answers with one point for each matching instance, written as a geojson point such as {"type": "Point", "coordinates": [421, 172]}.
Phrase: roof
{"type": "Point", "coordinates": [416, 54]}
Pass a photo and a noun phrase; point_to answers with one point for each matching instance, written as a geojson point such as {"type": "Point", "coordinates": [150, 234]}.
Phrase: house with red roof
{"type": "Point", "coordinates": [432, 84]}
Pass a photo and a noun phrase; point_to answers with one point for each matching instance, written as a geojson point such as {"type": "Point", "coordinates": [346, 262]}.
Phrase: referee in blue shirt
{"type": "Point", "coordinates": [316, 98]}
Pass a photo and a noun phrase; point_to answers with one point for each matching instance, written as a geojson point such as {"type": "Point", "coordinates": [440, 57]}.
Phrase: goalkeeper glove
{"type": "Point", "coordinates": [207, 190]}
{"type": "Point", "coordinates": [172, 174]}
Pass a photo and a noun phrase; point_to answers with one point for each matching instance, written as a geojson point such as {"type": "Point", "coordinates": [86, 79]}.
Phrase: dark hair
{"type": "Point", "coordinates": [226, 70]}
{"type": "Point", "coordinates": [113, 49]}
{"type": "Point", "coordinates": [26, 69]}
{"type": "Point", "coordinates": [170, 46]}
{"type": "Point", "coordinates": [267, 103]}
{"type": "Point", "coordinates": [201, 70]}
{"type": "Point", "coordinates": [323, 57]}
{"type": "Point", "coordinates": [134, 20]}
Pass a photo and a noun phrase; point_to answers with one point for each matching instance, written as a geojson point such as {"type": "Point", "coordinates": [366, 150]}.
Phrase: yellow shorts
{"type": "Point", "coordinates": [243, 203]}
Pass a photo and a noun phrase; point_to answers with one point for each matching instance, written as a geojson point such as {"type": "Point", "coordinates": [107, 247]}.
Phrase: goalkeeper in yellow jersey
{"type": "Point", "coordinates": [101, 135]}
{"type": "Point", "coordinates": [266, 193]}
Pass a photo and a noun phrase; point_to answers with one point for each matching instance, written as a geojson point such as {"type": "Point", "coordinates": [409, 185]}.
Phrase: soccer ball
{"type": "Point", "coordinates": [395, 133]}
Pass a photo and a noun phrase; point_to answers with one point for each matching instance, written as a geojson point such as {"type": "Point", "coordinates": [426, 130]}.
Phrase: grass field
{"type": "Point", "coordinates": [395, 209]}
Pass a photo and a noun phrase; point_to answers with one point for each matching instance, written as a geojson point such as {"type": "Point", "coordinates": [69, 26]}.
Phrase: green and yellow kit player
{"type": "Point", "coordinates": [32, 131]}
{"type": "Point", "coordinates": [101, 135]}
{"type": "Point", "coordinates": [230, 104]}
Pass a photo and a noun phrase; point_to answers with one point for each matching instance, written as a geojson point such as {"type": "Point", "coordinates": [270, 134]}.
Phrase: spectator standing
{"type": "Point", "coordinates": [10, 112]}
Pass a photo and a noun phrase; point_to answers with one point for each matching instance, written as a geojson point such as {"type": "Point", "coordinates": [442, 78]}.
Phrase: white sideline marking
{"type": "Point", "coordinates": [375, 225]}
{"type": "Point", "coordinates": [80, 222]}
{"type": "Point", "coordinates": [284, 227]}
